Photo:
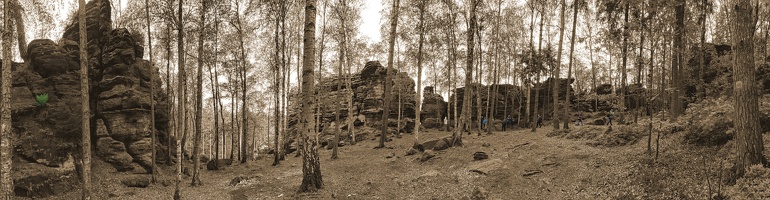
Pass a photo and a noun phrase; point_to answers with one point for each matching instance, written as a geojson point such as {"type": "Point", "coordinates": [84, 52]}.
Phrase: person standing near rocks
{"type": "Point", "coordinates": [609, 118]}
{"type": "Point", "coordinates": [483, 122]}
{"type": "Point", "coordinates": [539, 121]}
{"type": "Point", "coordinates": [580, 119]}
{"type": "Point", "coordinates": [508, 121]}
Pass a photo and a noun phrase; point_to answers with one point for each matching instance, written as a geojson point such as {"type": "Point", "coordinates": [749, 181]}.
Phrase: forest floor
{"type": "Point", "coordinates": [521, 165]}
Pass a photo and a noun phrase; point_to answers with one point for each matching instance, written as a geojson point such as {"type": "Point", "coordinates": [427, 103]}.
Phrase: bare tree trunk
{"type": "Point", "coordinates": [556, 70]}
{"type": "Point", "coordinates": [398, 92]}
{"type": "Point", "coordinates": [182, 79]}
{"type": "Point", "coordinates": [153, 177]}
{"type": "Point", "coordinates": [418, 105]}
{"type": "Point", "coordinates": [388, 78]}
{"type": "Point", "coordinates": [676, 97]}
{"type": "Point", "coordinates": [452, 71]}
{"type": "Point", "coordinates": [85, 141]}
{"type": "Point", "coordinates": [243, 153]}
{"type": "Point", "coordinates": [467, 98]}
{"type": "Point", "coordinates": [653, 45]}
{"type": "Point", "coordinates": [321, 48]}
{"type": "Point", "coordinates": [215, 89]}
{"type": "Point", "coordinates": [639, 69]}
{"type": "Point", "coordinates": [748, 135]}
{"type": "Point", "coordinates": [311, 167]}
{"type": "Point", "coordinates": [341, 53]}
{"type": "Point", "coordinates": [181, 118]}
{"type": "Point", "coordinates": [496, 78]}
{"type": "Point", "coordinates": [276, 87]}
{"type": "Point", "coordinates": [567, 102]}
{"type": "Point", "coordinates": [169, 96]}
{"type": "Point", "coordinates": [349, 81]}
{"type": "Point", "coordinates": [6, 132]}
{"type": "Point", "coordinates": [351, 119]}
{"type": "Point", "coordinates": [593, 63]}
{"type": "Point", "coordinates": [284, 89]}
{"type": "Point", "coordinates": [702, 22]}
{"type": "Point", "coordinates": [535, 117]}
{"type": "Point", "coordinates": [623, 89]}
{"type": "Point", "coordinates": [477, 90]}
{"type": "Point", "coordinates": [526, 81]}
{"type": "Point", "coordinates": [196, 181]}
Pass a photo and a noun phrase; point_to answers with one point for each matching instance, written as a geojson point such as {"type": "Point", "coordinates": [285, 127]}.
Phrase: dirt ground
{"type": "Point", "coordinates": [521, 165]}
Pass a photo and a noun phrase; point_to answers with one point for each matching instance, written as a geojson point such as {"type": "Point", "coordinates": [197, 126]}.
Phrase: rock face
{"type": "Point", "coordinates": [368, 101]}
{"type": "Point", "coordinates": [511, 99]}
{"type": "Point", "coordinates": [119, 97]}
{"type": "Point", "coordinates": [434, 109]}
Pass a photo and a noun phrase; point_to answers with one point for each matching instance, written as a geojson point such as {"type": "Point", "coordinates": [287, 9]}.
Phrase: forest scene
{"type": "Point", "coordinates": [385, 99]}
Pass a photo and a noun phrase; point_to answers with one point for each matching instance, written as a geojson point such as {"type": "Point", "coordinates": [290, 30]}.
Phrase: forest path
{"type": "Point", "coordinates": [521, 164]}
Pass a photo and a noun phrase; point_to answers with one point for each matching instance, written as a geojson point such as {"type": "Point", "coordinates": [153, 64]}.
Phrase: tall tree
{"type": "Point", "coordinates": [639, 61]}
{"type": "Point", "coordinates": [575, 5]}
{"type": "Point", "coordinates": [85, 141]}
{"type": "Point", "coordinates": [244, 87]}
{"type": "Point", "coordinates": [349, 83]}
{"type": "Point", "coordinates": [531, 56]}
{"type": "Point", "coordinates": [278, 153]}
{"type": "Point", "coordinates": [467, 98]}
{"type": "Point", "coordinates": [677, 61]}
{"type": "Point", "coordinates": [181, 99]}
{"type": "Point", "coordinates": [321, 47]}
{"type": "Point", "coordinates": [536, 66]}
{"type": "Point", "coordinates": [623, 74]}
{"type": "Point", "coordinates": [702, 57]}
{"type": "Point", "coordinates": [169, 94]}
{"type": "Point", "coordinates": [196, 181]}
{"type": "Point", "coordinates": [214, 79]}
{"type": "Point", "coordinates": [311, 166]}
{"type": "Point", "coordinates": [421, 29]}
{"type": "Point", "coordinates": [556, 70]}
{"type": "Point", "coordinates": [496, 66]}
{"type": "Point", "coordinates": [154, 177]}
{"type": "Point", "coordinates": [341, 11]}
{"type": "Point", "coordinates": [748, 135]}
{"type": "Point", "coordinates": [388, 78]}
{"type": "Point", "coordinates": [452, 69]}
{"type": "Point", "coordinates": [6, 133]}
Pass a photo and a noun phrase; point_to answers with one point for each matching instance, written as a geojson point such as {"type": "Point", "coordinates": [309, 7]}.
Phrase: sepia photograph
{"type": "Point", "coordinates": [384, 99]}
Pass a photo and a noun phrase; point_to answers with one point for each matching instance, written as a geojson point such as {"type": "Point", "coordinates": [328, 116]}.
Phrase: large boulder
{"type": "Point", "coordinates": [433, 105]}
{"type": "Point", "coordinates": [431, 123]}
{"type": "Point", "coordinates": [44, 185]}
{"type": "Point", "coordinates": [114, 152]}
{"type": "Point", "coordinates": [47, 59]}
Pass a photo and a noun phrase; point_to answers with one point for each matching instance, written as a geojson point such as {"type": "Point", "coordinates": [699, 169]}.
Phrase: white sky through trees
{"type": "Point", "coordinates": [370, 28]}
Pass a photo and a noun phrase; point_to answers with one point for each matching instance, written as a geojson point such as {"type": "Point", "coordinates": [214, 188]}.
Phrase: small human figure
{"type": "Point", "coordinates": [508, 121]}
{"type": "Point", "coordinates": [609, 118]}
{"type": "Point", "coordinates": [539, 121]}
{"type": "Point", "coordinates": [580, 119]}
{"type": "Point", "coordinates": [483, 122]}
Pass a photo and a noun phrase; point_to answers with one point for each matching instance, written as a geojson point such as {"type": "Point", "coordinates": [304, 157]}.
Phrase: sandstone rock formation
{"type": "Point", "coordinates": [119, 97]}
{"type": "Point", "coordinates": [368, 102]}
{"type": "Point", "coordinates": [434, 109]}
{"type": "Point", "coordinates": [511, 99]}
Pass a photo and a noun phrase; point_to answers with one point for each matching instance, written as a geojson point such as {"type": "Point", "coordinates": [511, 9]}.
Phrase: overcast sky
{"type": "Point", "coordinates": [371, 20]}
